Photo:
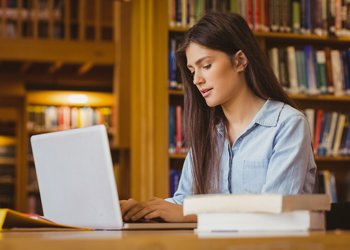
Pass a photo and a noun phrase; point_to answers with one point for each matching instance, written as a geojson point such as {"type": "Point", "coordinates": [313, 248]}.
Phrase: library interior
{"type": "Point", "coordinates": [68, 64]}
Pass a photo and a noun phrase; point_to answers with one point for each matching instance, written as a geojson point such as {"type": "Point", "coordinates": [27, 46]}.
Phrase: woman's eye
{"type": "Point", "coordinates": [207, 66]}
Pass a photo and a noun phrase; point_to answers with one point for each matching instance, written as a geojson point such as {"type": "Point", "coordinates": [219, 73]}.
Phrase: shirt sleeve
{"type": "Point", "coordinates": [291, 169]}
{"type": "Point", "coordinates": [185, 187]}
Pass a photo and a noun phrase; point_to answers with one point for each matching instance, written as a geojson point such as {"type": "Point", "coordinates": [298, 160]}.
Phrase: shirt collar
{"type": "Point", "coordinates": [267, 116]}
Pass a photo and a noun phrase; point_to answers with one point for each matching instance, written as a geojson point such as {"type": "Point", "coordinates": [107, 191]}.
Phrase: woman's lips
{"type": "Point", "coordinates": [206, 92]}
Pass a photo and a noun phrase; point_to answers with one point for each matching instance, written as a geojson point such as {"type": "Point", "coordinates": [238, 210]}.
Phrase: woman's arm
{"type": "Point", "coordinates": [170, 209]}
{"type": "Point", "coordinates": [291, 168]}
{"type": "Point", "coordinates": [185, 187]}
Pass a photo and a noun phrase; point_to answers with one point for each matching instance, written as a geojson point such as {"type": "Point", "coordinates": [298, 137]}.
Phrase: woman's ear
{"type": "Point", "coordinates": [240, 61]}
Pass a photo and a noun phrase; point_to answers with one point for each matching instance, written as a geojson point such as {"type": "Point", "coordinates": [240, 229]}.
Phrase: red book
{"type": "Point", "coordinates": [61, 117]}
{"type": "Point", "coordinates": [257, 15]}
{"type": "Point", "coordinates": [318, 127]}
{"type": "Point", "coordinates": [250, 14]}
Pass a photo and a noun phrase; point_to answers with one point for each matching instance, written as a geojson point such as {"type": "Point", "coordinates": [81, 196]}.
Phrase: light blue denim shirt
{"type": "Point", "coordinates": [273, 155]}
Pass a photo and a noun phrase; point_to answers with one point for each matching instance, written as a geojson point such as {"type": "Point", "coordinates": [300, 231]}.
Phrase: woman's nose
{"type": "Point", "coordinates": [198, 79]}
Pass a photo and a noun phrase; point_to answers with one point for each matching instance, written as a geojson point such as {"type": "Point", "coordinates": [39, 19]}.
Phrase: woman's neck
{"type": "Point", "coordinates": [240, 112]}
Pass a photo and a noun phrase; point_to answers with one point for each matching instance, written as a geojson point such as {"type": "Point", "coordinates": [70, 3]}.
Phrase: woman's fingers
{"type": "Point", "coordinates": [144, 210]}
{"type": "Point", "coordinates": [153, 215]}
{"type": "Point", "coordinates": [154, 208]}
{"type": "Point", "coordinates": [126, 205]}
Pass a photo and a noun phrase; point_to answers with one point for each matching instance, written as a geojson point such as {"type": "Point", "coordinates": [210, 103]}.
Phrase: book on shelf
{"type": "Point", "coordinates": [174, 74]}
{"type": "Point", "coordinates": [312, 71]}
{"type": "Point", "coordinates": [301, 220]}
{"type": "Point", "coordinates": [327, 185]}
{"type": "Point", "coordinates": [11, 219]}
{"type": "Point", "coordinates": [174, 181]}
{"type": "Point", "coordinates": [176, 137]}
{"type": "Point", "coordinates": [25, 14]}
{"type": "Point", "coordinates": [250, 203]}
{"type": "Point", "coordinates": [331, 132]}
{"type": "Point", "coordinates": [66, 117]}
{"type": "Point", "coordinates": [302, 17]}
{"type": "Point", "coordinates": [172, 129]}
{"type": "Point", "coordinates": [7, 172]}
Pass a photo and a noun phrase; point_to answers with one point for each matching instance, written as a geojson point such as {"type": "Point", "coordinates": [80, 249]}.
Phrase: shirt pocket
{"type": "Point", "coordinates": [254, 175]}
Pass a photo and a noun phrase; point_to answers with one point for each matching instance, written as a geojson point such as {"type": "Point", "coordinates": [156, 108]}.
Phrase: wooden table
{"type": "Point", "coordinates": [176, 239]}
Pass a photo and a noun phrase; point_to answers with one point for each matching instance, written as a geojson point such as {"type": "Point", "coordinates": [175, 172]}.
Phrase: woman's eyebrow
{"type": "Point", "coordinates": [199, 61]}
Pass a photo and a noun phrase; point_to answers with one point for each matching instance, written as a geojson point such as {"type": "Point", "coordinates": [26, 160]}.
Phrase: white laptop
{"type": "Point", "coordinates": [76, 180]}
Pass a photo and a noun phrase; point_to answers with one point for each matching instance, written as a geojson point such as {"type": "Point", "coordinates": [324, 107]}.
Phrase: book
{"type": "Point", "coordinates": [174, 181]}
{"type": "Point", "coordinates": [10, 219]}
{"type": "Point", "coordinates": [303, 220]}
{"type": "Point", "coordinates": [339, 133]}
{"type": "Point", "coordinates": [268, 203]}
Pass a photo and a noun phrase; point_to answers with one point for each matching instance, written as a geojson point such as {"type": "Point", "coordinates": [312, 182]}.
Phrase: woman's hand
{"type": "Point", "coordinates": [152, 209]}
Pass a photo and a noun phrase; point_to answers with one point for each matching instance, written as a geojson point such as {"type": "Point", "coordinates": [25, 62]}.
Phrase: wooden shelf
{"type": "Point", "coordinates": [332, 158]}
{"type": "Point", "coordinates": [176, 92]}
{"type": "Point", "coordinates": [321, 98]}
{"type": "Point", "coordinates": [178, 29]}
{"type": "Point", "coordinates": [7, 160]}
{"type": "Point", "coordinates": [7, 182]}
{"type": "Point", "coordinates": [301, 97]}
{"type": "Point", "coordinates": [33, 190]}
{"type": "Point", "coordinates": [278, 36]}
{"type": "Point", "coordinates": [35, 50]}
{"type": "Point", "coordinates": [59, 98]}
{"type": "Point", "coordinates": [285, 36]}
{"type": "Point", "coordinates": [295, 36]}
{"type": "Point", "coordinates": [180, 156]}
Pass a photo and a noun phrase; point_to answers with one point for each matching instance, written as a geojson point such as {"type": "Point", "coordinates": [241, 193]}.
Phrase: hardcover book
{"type": "Point", "coordinates": [263, 203]}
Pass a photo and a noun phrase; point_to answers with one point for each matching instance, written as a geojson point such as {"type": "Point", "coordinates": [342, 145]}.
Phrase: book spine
{"type": "Point", "coordinates": [330, 81]}
{"type": "Point", "coordinates": [339, 133]}
{"type": "Point", "coordinates": [172, 64]}
{"type": "Point", "coordinates": [319, 119]}
{"type": "Point", "coordinates": [311, 72]}
{"type": "Point", "coordinates": [273, 56]}
{"type": "Point", "coordinates": [337, 72]}
{"type": "Point", "coordinates": [296, 16]}
{"type": "Point", "coordinates": [292, 70]}
{"type": "Point", "coordinates": [172, 126]}
{"type": "Point", "coordinates": [310, 115]}
{"type": "Point", "coordinates": [174, 181]}
{"type": "Point", "coordinates": [321, 69]}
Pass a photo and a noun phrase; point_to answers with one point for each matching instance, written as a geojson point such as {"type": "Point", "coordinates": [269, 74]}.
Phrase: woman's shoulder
{"type": "Point", "coordinates": [289, 113]}
{"type": "Point", "coordinates": [276, 113]}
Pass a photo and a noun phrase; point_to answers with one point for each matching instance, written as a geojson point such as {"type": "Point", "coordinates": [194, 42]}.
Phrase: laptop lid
{"type": "Point", "coordinates": [75, 177]}
{"type": "Point", "coordinates": [76, 181]}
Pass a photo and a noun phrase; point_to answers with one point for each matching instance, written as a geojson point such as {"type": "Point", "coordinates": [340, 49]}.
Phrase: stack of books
{"type": "Point", "coordinates": [264, 212]}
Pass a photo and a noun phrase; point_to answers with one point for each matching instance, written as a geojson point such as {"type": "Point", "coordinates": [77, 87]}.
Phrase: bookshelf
{"type": "Point", "coordinates": [299, 35]}
{"type": "Point", "coordinates": [11, 125]}
{"type": "Point", "coordinates": [51, 50]}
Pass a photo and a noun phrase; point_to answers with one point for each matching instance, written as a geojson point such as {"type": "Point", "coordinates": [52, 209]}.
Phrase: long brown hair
{"type": "Point", "coordinates": [229, 33]}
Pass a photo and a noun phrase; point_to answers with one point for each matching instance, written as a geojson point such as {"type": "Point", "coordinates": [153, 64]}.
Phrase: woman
{"type": "Point", "coordinates": [243, 131]}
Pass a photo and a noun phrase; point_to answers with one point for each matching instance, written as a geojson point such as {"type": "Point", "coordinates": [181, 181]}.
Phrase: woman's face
{"type": "Point", "coordinates": [214, 74]}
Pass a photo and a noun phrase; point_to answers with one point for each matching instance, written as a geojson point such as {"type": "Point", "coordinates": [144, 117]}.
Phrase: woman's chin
{"type": "Point", "coordinates": [211, 104]}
